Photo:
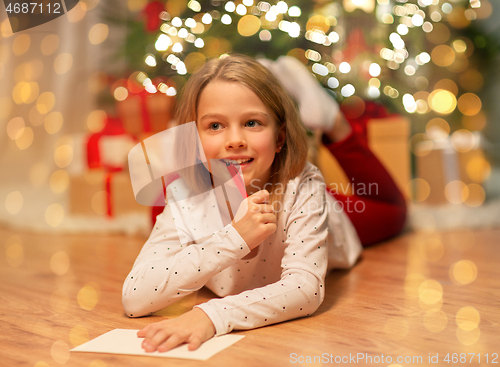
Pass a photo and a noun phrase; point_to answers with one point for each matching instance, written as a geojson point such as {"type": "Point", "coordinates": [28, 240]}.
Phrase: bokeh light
{"type": "Point", "coordinates": [59, 263]}
{"type": "Point", "coordinates": [98, 33]}
{"type": "Point", "coordinates": [63, 63]}
{"type": "Point", "coordinates": [468, 337]}
{"type": "Point", "coordinates": [443, 55]}
{"type": "Point", "coordinates": [478, 169]}
{"type": "Point", "coordinates": [77, 13]}
{"type": "Point", "coordinates": [49, 44]}
{"type": "Point", "coordinates": [39, 173]}
{"type": "Point", "coordinates": [463, 272]}
{"type": "Point", "coordinates": [435, 321]}
{"type": "Point", "coordinates": [98, 202]}
{"type": "Point", "coordinates": [430, 292]}
{"type": "Point", "coordinates": [21, 44]}
{"type": "Point", "coordinates": [248, 25]}
{"type": "Point", "coordinates": [456, 192]}
{"type": "Point", "coordinates": [442, 101]}
{"type": "Point", "coordinates": [412, 284]}
{"type": "Point", "coordinates": [418, 189]}
{"type": "Point", "coordinates": [477, 195]}
{"type": "Point", "coordinates": [60, 352]}
{"type": "Point", "coordinates": [88, 296]}
{"type": "Point", "coordinates": [53, 122]}
{"type": "Point", "coordinates": [14, 202]}
{"type": "Point", "coordinates": [78, 335]}
{"type": "Point", "coordinates": [54, 215]}
{"type": "Point", "coordinates": [469, 104]}
{"type": "Point", "coordinates": [96, 120]}
{"type": "Point", "coordinates": [45, 102]}
{"type": "Point", "coordinates": [431, 249]}
{"type": "Point", "coordinates": [63, 155]}
{"type": "Point", "coordinates": [14, 251]}
{"type": "Point", "coordinates": [467, 318]}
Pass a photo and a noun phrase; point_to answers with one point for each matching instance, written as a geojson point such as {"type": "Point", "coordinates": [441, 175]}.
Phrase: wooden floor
{"type": "Point", "coordinates": [418, 295]}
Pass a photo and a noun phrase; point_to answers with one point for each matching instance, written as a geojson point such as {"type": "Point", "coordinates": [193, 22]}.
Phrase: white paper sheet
{"type": "Point", "coordinates": [124, 341]}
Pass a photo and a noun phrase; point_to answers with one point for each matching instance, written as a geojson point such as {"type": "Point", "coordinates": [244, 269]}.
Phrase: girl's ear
{"type": "Point", "coordinates": [280, 141]}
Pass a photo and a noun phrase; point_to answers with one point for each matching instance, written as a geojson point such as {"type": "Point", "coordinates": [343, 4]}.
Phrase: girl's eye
{"type": "Point", "coordinates": [214, 126]}
{"type": "Point", "coordinates": [253, 123]}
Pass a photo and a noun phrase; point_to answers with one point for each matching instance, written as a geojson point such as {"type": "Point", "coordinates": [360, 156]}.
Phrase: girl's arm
{"type": "Point", "coordinates": [167, 270]}
{"type": "Point", "coordinates": [300, 290]}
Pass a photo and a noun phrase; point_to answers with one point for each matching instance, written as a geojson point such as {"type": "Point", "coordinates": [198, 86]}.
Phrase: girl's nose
{"type": "Point", "coordinates": [236, 139]}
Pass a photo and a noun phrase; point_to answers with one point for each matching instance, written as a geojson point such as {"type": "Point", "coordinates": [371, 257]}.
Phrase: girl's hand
{"type": "Point", "coordinates": [255, 219]}
{"type": "Point", "coordinates": [193, 327]}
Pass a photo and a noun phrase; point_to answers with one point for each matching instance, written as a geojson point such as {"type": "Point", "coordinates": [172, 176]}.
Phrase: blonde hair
{"type": "Point", "coordinates": [290, 160]}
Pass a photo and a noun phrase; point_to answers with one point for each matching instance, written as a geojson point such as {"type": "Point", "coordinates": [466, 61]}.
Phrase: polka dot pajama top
{"type": "Point", "coordinates": [283, 281]}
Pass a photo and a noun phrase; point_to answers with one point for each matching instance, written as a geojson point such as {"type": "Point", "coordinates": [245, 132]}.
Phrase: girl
{"type": "Point", "coordinates": [268, 264]}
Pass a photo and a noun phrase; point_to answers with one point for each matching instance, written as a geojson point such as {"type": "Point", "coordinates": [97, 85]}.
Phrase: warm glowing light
{"type": "Point", "coordinates": [442, 101]}
{"type": "Point", "coordinates": [54, 215]}
{"type": "Point", "coordinates": [468, 337]}
{"type": "Point", "coordinates": [14, 251]}
{"type": "Point", "coordinates": [468, 318]}
{"type": "Point", "coordinates": [77, 13]}
{"type": "Point", "coordinates": [248, 25]}
{"type": "Point", "coordinates": [463, 140]}
{"type": "Point", "coordinates": [21, 44]}
{"type": "Point", "coordinates": [476, 196]}
{"type": "Point", "coordinates": [375, 69]}
{"type": "Point", "coordinates": [447, 84]}
{"type": "Point", "coordinates": [60, 352]}
{"type": "Point", "coordinates": [226, 19]}
{"type": "Point", "coordinates": [230, 7]}
{"type": "Point", "coordinates": [88, 296]}
{"type": "Point", "coordinates": [14, 202]}
{"type": "Point", "coordinates": [63, 156]}
{"type": "Point", "coordinates": [412, 284]}
{"type": "Point", "coordinates": [45, 102]}
{"type": "Point", "coordinates": [294, 11]}
{"type": "Point", "coordinates": [478, 169]}
{"type": "Point", "coordinates": [59, 181]}
{"type": "Point", "coordinates": [49, 44]}
{"type": "Point", "coordinates": [463, 272]}
{"type": "Point", "coordinates": [59, 263]}
{"type": "Point", "coordinates": [120, 93]}
{"type": "Point", "coordinates": [26, 139]}
{"type": "Point", "coordinates": [469, 104]}
{"type": "Point", "coordinates": [456, 192]}
{"type": "Point", "coordinates": [265, 35]}
{"type": "Point", "coordinates": [347, 90]}
{"type": "Point", "coordinates": [150, 60]}
{"type": "Point", "coordinates": [443, 55]}
{"type": "Point", "coordinates": [435, 321]}
{"type": "Point", "coordinates": [38, 174]}
{"type": "Point", "coordinates": [15, 128]}
{"type": "Point", "coordinates": [96, 121]}
{"type": "Point", "coordinates": [430, 291]}
{"type": "Point", "coordinates": [163, 42]}
{"type": "Point", "coordinates": [344, 67]}
{"type": "Point", "coordinates": [63, 63]}
{"type": "Point", "coordinates": [78, 335]}
{"type": "Point", "coordinates": [98, 33]}
{"type": "Point", "coordinates": [53, 122]}
{"type": "Point", "coordinates": [418, 189]}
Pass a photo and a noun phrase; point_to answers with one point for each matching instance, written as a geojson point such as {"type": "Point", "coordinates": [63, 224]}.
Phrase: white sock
{"type": "Point", "coordinates": [318, 110]}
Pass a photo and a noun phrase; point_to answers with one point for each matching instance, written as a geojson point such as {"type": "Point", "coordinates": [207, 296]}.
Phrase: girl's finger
{"type": "Point", "coordinates": [173, 341]}
{"type": "Point", "coordinates": [194, 342]}
{"type": "Point", "coordinates": [142, 333]}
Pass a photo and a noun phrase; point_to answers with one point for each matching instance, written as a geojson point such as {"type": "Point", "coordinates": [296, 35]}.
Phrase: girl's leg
{"type": "Point", "coordinates": [377, 209]}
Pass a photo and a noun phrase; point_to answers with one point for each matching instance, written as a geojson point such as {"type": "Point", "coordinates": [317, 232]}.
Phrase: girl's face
{"type": "Point", "coordinates": [236, 126]}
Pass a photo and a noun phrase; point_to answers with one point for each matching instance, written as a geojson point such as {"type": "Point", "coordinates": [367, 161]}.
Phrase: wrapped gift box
{"type": "Point", "coordinates": [145, 112]}
{"type": "Point", "coordinates": [388, 139]}
{"type": "Point", "coordinates": [441, 162]}
{"type": "Point", "coordinates": [97, 192]}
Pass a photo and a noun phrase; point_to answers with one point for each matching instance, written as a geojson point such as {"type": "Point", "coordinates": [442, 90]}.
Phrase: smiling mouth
{"type": "Point", "coordinates": [228, 162]}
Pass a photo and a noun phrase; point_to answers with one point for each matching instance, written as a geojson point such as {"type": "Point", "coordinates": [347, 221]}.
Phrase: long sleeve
{"type": "Point", "coordinates": [300, 247]}
{"type": "Point", "coordinates": [167, 270]}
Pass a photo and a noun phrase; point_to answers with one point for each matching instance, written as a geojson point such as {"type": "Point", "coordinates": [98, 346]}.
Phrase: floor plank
{"type": "Point", "coordinates": [401, 299]}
